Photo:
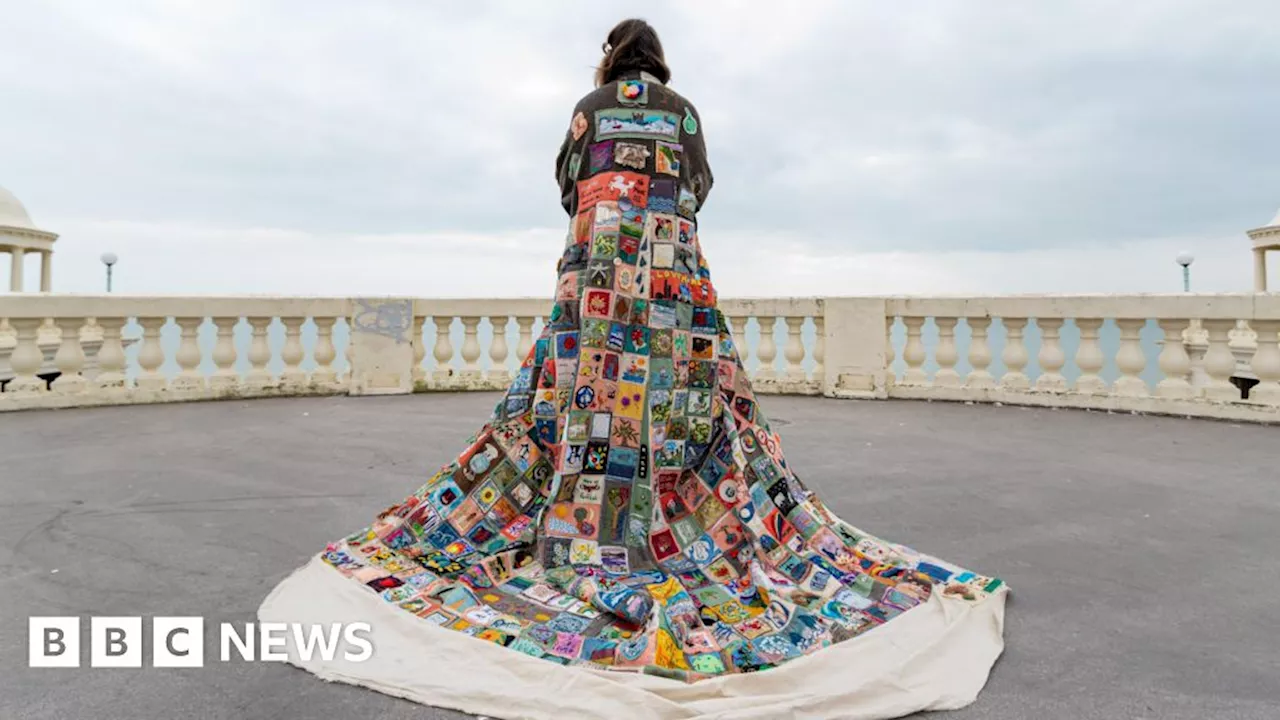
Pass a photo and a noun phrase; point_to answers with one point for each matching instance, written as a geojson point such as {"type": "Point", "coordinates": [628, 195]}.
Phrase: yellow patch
{"type": "Point", "coordinates": [663, 592]}
{"type": "Point", "coordinates": [668, 653]}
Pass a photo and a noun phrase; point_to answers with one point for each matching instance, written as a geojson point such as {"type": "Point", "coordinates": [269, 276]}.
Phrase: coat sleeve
{"type": "Point", "coordinates": [700, 176]}
{"type": "Point", "coordinates": [568, 161]}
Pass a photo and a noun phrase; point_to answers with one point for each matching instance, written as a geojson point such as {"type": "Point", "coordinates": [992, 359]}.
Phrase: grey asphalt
{"type": "Point", "coordinates": [1141, 550]}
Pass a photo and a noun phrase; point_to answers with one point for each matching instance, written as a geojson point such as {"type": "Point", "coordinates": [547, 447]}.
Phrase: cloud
{"type": "Point", "coordinates": [993, 134]}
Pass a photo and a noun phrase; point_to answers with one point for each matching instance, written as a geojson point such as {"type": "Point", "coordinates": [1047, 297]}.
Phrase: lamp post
{"type": "Point", "coordinates": [1185, 259]}
{"type": "Point", "coordinates": [109, 259]}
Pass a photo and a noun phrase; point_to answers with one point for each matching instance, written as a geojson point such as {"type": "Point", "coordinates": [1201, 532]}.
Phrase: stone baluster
{"type": "Point", "coordinates": [980, 377]}
{"type": "Point", "coordinates": [499, 376]}
{"type": "Point", "coordinates": [947, 354]}
{"type": "Point", "coordinates": [419, 373]}
{"type": "Point", "coordinates": [188, 355]}
{"type": "Point", "coordinates": [324, 353]}
{"type": "Point", "coordinates": [890, 378]}
{"type": "Point", "coordinates": [767, 352]}
{"type": "Point", "coordinates": [1051, 357]}
{"type": "Point", "coordinates": [443, 351]}
{"type": "Point", "coordinates": [1089, 358]}
{"type": "Point", "coordinates": [739, 331]}
{"type": "Point", "coordinates": [794, 351]}
{"type": "Point", "coordinates": [151, 354]}
{"type": "Point", "coordinates": [224, 353]}
{"type": "Point", "coordinates": [293, 376]}
{"type": "Point", "coordinates": [819, 351]}
{"type": "Point", "coordinates": [1174, 362]}
{"type": "Point", "coordinates": [525, 344]}
{"type": "Point", "coordinates": [1266, 363]}
{"type": "Point", "coordinates": [70, 357]}
{"type": "Point", "coordinates": [1130, 360]}
{"type": "Point", "coordinates": [470, 348]}
{"type": "Point", "coordinates": [111, 359]}
{"type": "Point", "coordinates": [259, 377]}
{"type": "Point", "coordinates": [1220, 362]}
{"type": "Point", "coordinates": [1015, 355]}
{"type": "Point", "coordinates": [27, 357]}
{"type": "Point", "coordinates": [914, 354]}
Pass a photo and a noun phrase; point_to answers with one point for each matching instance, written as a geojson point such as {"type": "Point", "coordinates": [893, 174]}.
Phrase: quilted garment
{"type": "Point", "coordinates": [627, 506]}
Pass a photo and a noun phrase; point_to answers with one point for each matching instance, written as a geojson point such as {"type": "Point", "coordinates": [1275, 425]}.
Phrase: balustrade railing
{"type": "Point", "coordinates": [1195, 355]}
{"type": "Point", "coordinates": [1200, 355]}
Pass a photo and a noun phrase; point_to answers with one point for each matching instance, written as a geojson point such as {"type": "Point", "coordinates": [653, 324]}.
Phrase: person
{"type": "Point", "coordinates": [627, 510]}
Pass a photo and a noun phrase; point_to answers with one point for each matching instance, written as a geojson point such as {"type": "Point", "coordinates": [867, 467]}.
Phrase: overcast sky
{"type": "Point", "coordinates": [337, 148]}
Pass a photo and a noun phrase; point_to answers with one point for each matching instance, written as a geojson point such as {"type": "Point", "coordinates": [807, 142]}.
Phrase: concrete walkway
{"type": "Point", "coordinates": [1142, 551]}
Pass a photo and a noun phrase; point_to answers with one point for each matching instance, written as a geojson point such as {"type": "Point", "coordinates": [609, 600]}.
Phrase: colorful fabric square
{"type": "Point", "coordinates": [633, 92]}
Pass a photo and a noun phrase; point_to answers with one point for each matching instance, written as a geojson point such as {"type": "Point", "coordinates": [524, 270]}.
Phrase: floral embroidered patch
{"type": "Point", "coordinates": [633, 92]}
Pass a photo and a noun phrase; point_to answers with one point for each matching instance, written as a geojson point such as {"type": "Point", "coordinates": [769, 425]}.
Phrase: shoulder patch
{"type": "Point", "coordinates": [690, 123]}
{"type": "Point", "coordinates": [633, 92]}
{"type": "Point", "coordinates": [579, 126]}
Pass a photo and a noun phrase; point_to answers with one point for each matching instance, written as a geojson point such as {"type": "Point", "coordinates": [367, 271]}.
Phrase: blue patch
{"type": "Point", "coordinates": [566, 345]}
{"type": "Point", "coordinates": [937, 573]}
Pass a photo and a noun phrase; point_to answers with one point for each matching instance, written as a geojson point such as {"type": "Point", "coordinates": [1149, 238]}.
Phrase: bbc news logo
{"type": "Point", "coordinates": [178, 642]}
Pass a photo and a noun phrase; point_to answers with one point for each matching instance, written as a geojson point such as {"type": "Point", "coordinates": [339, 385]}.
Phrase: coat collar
{"type": "Point", "coordinates": [644, 75]}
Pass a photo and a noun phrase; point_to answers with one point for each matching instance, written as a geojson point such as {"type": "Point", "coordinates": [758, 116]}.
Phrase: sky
{"type": "Point", "coordinates": [859, 148]}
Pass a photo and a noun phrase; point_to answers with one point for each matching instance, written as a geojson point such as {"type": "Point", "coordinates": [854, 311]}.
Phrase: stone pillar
{"type": "Point", "coordinates": [15, 270]}
{"type": "Point", "coordinates": [854, 346]}
{"type": "Point", "coordinates": [381, 347]}
{"type": "Point", "coordinates": [1259, 269]}
{"type": "Point", "coordinates": [46, 271]}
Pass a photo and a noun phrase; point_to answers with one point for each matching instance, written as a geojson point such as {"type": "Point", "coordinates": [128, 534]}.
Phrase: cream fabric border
{"type": "Point", "coordinates": [937, 656]}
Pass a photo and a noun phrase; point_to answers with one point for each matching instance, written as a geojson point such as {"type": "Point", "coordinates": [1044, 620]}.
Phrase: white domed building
{"type": "Point", "coordinates": [19, 236]}
{"type": "Point", "coordinates": [1264, 238]}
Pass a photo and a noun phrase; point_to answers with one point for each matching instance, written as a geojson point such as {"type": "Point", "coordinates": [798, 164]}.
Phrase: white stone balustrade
{"type": "Point", "coordinates": [1056, 351]}
{"type": "Point", "coordinates": [484, 360]}
{"type": "Point", "coordinates": [97, 365]}
{"type": "Point", "coordinates": [804, 364]}
{"type": "Point", "coordinates": [1226, 321]}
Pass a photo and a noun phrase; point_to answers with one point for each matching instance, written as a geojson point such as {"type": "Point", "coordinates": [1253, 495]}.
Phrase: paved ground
{"type": "Point", "coordinates": [1141, 550]}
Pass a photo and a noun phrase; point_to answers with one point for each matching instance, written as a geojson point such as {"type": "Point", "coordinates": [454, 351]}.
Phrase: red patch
{"type": "Point", "coordinates": [633, 187]}
{"type": "Point", "coordinates": [598, 303]}
{"type": "Point", "coordinates": [663, 545]}
{"type": "Point", "coordinates": [667, 481]}
{"type": "Point", "coordinates": [582, 225]}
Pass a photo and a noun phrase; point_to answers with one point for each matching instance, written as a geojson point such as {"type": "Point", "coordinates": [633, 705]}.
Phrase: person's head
{"type": "Point", "coordinates": [632, 46]}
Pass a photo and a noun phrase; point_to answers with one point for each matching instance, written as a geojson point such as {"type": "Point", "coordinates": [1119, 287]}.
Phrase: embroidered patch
{"type": "Point", "coordinates": [690, 123]}
{"type": "Point", "coordinates": [641, 124]}
{"type": "Point", "coordinates": [668, 159]}
{"type": "Point", "coordinates": [601, 156]}
{"type": "Point", "coordinates": [632, 223]}
{"type": "Point", "coordinates": [633, 187]}
{"type": "Point", "coordinates": [664, 255]}
{"type": "Point", "coordinates": [662, 195]}
{"type": "Point", "coordinates": [608, 216]}
{"type": "Point", "coordinates": [575, 164]}
{"type": "Point", "coordinates": [579, 126]}
{"type": "Point", "coordinates": [633, 92]}
{"type": "Point", "coordinates": [686, 232]}
{"type": "Point", "coordinates": [687, 204]}
{"type": "Point", "coordinates": [661, 227]}
{"type": "Point", "coordinates": [632, 155]}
